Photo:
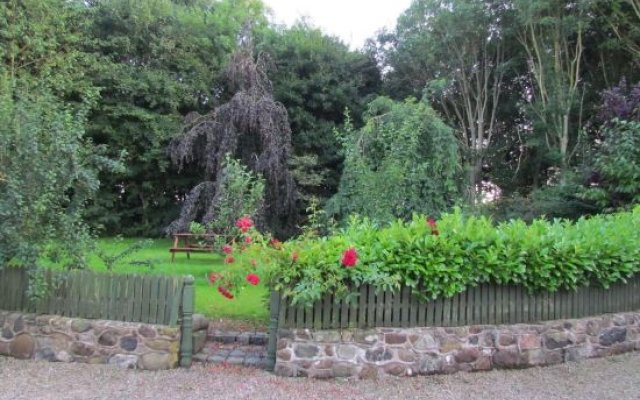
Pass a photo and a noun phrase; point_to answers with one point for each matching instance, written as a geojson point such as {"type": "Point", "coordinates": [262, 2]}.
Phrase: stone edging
{"type": "Point", "coordinates": [62, 339]}
{"type": "Point", "coordinates": [377, 352]}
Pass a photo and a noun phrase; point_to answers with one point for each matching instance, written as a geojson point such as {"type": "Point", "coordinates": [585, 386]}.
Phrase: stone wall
{"type": "Point", "coordinates": [404, 352]}
{"type": "Point", "coordinates": [55, 338]}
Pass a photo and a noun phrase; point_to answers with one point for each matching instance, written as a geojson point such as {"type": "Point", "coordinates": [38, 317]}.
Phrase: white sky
{"type": "Point", "coordinates": [352, 20]}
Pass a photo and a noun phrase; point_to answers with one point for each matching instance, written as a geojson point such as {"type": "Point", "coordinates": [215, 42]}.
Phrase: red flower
{"type": "Point", "coordinates": [253, 279]}
{"type": "Point", "coordinates": [226, 249]}
{"type": "Point", "coordinates": [247, 239]}
{"type": "Point", "coordinates": [433, 225]}
{"type": "Point", "coordinates": [213, 277]}
{"type": "Point", "coordinates": [225, 292]}
{"type": "Point", "coordinates": [244, 223]}
{"type": "Point", "coordinates": [294, 256]}
{"type": "Point", "coordinates": [229, 260]}
{"type": "Point", "coordinates": [350, 257]}
{"type": "Point", "coordinates": [275, 243]}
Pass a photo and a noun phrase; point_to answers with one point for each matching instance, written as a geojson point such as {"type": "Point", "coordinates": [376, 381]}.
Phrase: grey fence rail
{"type": "Point", "coordinates": [136, 298]}
{"type": "Point", "coordinates": [484, 304]}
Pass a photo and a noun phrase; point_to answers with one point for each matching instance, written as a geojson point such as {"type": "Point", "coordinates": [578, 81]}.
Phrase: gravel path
{"type": "Point", "coordinates": [608, 378]}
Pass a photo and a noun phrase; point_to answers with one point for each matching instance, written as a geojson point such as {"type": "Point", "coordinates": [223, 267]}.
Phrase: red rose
{"type": "Point", "coordinates": [213, 277]}
{"type": "Point", "coordinates": [350, 257]}
{"type": "Point", "coordinates": [294, 256]}
{"type": "Point", "coordinates": [229, 260]}
{"type": "Point", "coordinates": [275, 243]}
{"type": "Point", "coordinates": [226, 249]}
{"type": "Point", "coordinates": [253, 279]}
{"type": "Point", "coordinates": [247, 239]}
{"type": "Point", "coordinates": [244, 223]}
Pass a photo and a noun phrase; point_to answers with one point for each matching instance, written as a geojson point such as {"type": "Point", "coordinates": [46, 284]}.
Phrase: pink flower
{"type": "Point", "coordinates": [294, 256]}
{"type": "Point", "coordinates": [244, 223]}
{"type": "Point", "coordinates": [275, 243]}
{"type": "Point", "coordinates": [226, 249]}
{"type": "Point", "coordinates": [350, 257]}
{"type": "Point", "coordinates": [247, 239]}
{"type": "Point", "coordinates": [213, 277]}
{"type": "Point", "coordinates": [229, 260]}
{"type": "Point", "coordinates": [253, 279]}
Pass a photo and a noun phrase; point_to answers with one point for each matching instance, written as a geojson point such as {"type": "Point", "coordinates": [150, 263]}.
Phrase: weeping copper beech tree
{"type": "Point", "coordinates": [253, 128]}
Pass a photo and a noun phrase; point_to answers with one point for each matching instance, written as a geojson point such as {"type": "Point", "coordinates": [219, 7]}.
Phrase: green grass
{"type": "Point", "coordinates": [249, 306]}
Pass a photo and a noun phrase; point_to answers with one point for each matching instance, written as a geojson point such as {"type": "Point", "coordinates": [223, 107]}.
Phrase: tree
{"type": "Point", "coordinates": [159, 60]}
{"type": "Point", "coordinates": [552, 34]}
{"type": "Point", "coordinates": [457, 51]}
{"type": "Point", "coordinates": [316, 77]}
{"type": "Point", "coordinates": [48, 171]}
{"type": "Point", "coordinates": [253, 128]}
{"type": "Point", "coordinates": [403, 161]}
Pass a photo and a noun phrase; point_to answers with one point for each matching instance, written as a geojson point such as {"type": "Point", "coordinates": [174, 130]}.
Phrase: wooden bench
{"type": "Point", "coordinates": [188, 243]}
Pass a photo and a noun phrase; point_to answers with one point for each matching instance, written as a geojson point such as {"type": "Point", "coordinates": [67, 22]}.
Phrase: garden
{"type": "Point", "coordinates": [481, 145]}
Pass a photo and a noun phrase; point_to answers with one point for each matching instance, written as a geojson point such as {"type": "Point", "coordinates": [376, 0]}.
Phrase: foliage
{"type": "Point", "coordinates": [247, 255]}
{"type": "Point", "coordinates": [158, 61]}
{"type": "Point", "coordinates": [440, 259]}
{"type": "Point", "coordinates": [251, 127]}
{"type": "Point", "coordinates": [316, 77]}
{"type": "Point", "coordinates": [616, 178]}
{"type": "Point", "coordinates": [48, 171]}
{"type": "Point", "coordinates": [620, 102]}
{"type": "Point", "coordinates": [403, 160]}
{"type": "Point", "coordinates": [459, 54]}
{"type": "Point", "coordinates": [241, 193]}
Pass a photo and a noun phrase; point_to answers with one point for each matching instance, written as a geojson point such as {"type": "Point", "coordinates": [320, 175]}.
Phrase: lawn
{"type": "Point", "coordinates": [249, 306]}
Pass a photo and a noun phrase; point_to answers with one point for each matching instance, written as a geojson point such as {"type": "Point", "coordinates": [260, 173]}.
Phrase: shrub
{"type": "Point", "coordinates": [445, 257]}
{"type": "Point", "coordinates": [403, 160]}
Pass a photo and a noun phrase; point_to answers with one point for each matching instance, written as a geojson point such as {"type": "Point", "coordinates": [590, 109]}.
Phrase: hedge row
{"type": "Point", "coordinates": [445, 257]}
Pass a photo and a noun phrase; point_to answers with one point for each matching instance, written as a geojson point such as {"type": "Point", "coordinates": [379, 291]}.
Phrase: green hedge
{"type": "Point", "coordinates": [467, 251]}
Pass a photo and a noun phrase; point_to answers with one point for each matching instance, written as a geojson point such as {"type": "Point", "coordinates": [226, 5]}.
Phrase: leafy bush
{"type": "Point", "coordinates": [403, 160]}
{"type": "Point", "coordinates": [616, 165]}
{"type": "Point", "coordinates": [444, 258]}
{"type": "Point", "coordinates": [48, 173]}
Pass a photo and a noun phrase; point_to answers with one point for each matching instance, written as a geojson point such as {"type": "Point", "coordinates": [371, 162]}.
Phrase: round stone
{"type": "Point", "coordinates": [129, 343]}
{"type": "Point", "coordinates": [155, 361]}
{"type": "Point", "coordinates": [108, 338]}
{"type": "Point", "coordinates": [22, 346]}
{"type": "Point", "coordinates": [80, 325]}
{"type": "Point", "coordinates": [158, 344]}
{"type": "Point", "coordinates": [82, 349]}
{"type": "Point", "coordinates": [18, 325]}
{"type": "Point", "coordinates": [147, 331]}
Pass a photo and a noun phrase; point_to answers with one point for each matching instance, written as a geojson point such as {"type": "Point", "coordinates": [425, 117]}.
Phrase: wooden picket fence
{"type": "Point", "coordinates": [153, 299]}
{"type": "Point", "coordinates": [484, 304]}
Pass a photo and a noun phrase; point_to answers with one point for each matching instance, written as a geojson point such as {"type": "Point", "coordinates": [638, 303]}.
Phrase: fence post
{"type": "Point", "coordinates": [186, 337]}
{"type": "Point", "coordinates": [274, 308]}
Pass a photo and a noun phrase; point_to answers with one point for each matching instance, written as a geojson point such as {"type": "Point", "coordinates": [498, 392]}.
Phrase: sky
{"type": "Point", "coordinates": [352, 20]}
